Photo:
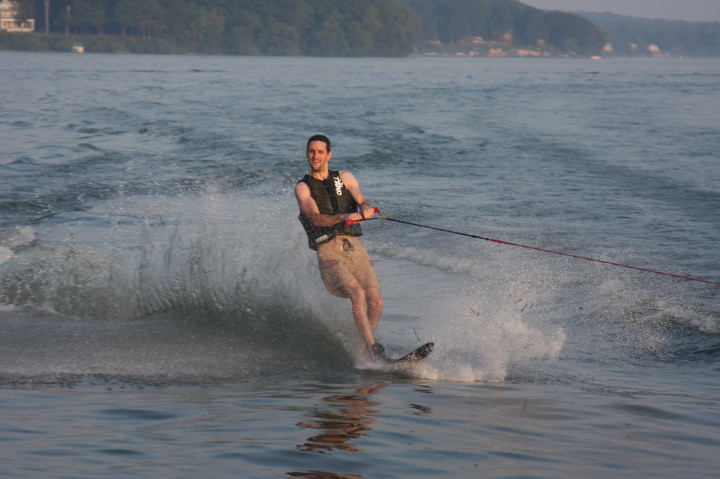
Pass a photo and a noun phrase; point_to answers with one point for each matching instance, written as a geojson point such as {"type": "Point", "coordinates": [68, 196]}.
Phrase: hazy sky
{"type": "Point", "coordinates": [693, 10]}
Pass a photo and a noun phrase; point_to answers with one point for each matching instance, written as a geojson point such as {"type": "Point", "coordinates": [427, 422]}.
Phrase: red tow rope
{"type": "Point", "coordinates": [349, 222]}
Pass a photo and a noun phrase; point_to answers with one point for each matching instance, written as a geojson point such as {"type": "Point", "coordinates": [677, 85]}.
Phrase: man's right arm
{"type": "Point", "coordinates": [309, 208]}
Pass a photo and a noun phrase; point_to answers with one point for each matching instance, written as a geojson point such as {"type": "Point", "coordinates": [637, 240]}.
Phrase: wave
{"type": "Point", "coordinates": [13, 238]}
{"type": "Point", "coordinates": [198, 270]}
{"type": "Point", "coordinates": [206, 288]}
{"type": "Point", "coordinates": [221, 286]}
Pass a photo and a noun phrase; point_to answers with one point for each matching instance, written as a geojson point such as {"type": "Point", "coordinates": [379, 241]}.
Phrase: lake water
{"type": "Point", "coordinates": [161, 315]}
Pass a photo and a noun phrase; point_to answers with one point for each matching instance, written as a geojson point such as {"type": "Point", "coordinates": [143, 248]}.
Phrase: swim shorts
{"type": "Point", "coordinates": [343, 259]}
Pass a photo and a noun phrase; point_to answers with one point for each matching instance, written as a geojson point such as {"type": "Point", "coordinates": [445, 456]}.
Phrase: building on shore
{"type": "Point", "coordinates": [9, 21]}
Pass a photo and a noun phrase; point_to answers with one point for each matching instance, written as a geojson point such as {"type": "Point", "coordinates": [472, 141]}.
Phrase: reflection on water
{"type": "Point", "coordinates": [339, 424]}
{"type": "Point", "coordinates": [345, 418]}
{"type": "Point", "coordinates": [323, 475]}
{"type": "Point", "coordinates": [348, 418]}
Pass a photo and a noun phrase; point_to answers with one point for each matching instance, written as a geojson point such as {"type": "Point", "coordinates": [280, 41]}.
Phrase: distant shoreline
{"type": "Point", "coordinates": [411, 55]}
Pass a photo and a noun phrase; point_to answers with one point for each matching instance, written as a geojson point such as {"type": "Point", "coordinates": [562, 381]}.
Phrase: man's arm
{"type": "Point", "coordinates": [351, 183]}
{"type": "Point", "coordinates": [309, 208]}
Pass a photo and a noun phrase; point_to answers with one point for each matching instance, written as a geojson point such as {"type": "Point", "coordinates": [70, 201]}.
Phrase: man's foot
{"type": "Point", "coordinates": [377, 352]}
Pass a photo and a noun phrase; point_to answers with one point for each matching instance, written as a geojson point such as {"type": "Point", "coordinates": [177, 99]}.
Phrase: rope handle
{"type": "Point", "coordinates": [352, 222]}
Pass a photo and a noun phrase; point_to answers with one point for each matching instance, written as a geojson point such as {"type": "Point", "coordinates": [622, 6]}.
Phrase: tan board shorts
{"type": "Point", "coordinates": [342, 260]}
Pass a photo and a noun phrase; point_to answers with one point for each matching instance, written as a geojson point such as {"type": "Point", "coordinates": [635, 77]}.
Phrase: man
{"type": "Point", "coordinates": [329, 202]}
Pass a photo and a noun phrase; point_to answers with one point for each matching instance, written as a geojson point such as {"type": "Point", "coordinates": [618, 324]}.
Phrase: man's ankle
{"type": "Point", "coordinates": [377, 351]}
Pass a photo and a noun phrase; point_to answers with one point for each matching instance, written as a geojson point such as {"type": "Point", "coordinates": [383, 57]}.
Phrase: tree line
{"type": "Point", "coordinates": [308, 27]}
{"type": "Point", "coordinates": [449, 21]}
{"type": "Point", "coordinates": [631, 36]}
{"type": "Point", "coordinates": [244, 27]}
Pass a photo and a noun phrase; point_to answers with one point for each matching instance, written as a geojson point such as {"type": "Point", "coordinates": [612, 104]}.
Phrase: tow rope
{"type": "Point", "coordinates": [688, 278]}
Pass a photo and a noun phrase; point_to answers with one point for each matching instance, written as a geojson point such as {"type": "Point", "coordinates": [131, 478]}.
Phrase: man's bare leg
{"type": "Point", "coordinates": [359, 302]}
{"type": "Point", "coordinates": [367, 308]}
{"type": "Point", "coordinates": [374, 307]}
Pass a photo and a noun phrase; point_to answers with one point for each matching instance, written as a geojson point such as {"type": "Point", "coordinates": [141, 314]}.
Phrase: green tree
{"type": "Point", "coordinates": [328, 37]}
{"type": "Point", "coordinates": [210, 30]}
{"type": "Point", "coordinates": [278, 38]}
{"type": "Point", "coordinates": [142, 17]}
{"type": "Point", "coordinates": [125, 14]}
{"type": "Point", "coordinates": [242, 37]}
{"type": "Point", "coordinates": [574, 34]}
{"type": "Point", "coordinates": [501, 18]}
{"type": "Point", "coordinates": [181, 16]}
{"type": "Point", "coordinates": [359, 26]}
{"type": "Point", "coordinates": [397, 32]}
{"type": "Point", "coordinates": [530, 26]}
{"type": "Point", "coordinates": [150, 15]}
{"type": "Point", "coordinates": [46, 4]}
{"type": "Point", "coordinates": [86, 15]}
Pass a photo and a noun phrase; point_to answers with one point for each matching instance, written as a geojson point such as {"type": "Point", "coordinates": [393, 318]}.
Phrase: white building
{"type": "Point", "coordinates": [9, 21]}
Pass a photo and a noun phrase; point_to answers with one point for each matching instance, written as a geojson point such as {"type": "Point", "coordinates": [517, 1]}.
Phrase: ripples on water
{"type": "Point", "coordinates": [161, 314]}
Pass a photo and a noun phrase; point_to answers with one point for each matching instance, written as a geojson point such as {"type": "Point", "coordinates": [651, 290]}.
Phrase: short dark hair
{"type": "Point", "coordinates": [322, 138]}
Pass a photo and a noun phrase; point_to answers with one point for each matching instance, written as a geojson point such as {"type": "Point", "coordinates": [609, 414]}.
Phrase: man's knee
{"type": "Point", "coordinates": [374, 298]}
{"type": "Point", "coordinates": [355, 291]}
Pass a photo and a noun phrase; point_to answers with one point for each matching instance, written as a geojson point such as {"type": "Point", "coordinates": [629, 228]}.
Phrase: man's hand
{"type": "Point", "coordinates": [353, 218]}
{"type": "Point", "coordinates": [368, 211]}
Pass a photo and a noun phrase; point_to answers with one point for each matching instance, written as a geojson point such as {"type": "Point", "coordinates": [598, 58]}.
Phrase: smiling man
{"type": "Point", "coordinates": [329, 202]}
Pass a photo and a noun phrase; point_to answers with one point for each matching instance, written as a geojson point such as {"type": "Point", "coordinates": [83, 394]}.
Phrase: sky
{"type": "Point", "coordinates": [692, 10]}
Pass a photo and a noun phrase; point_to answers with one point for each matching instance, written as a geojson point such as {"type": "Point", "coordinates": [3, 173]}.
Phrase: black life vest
{"type": "Point", "coordinates": [332, 198]}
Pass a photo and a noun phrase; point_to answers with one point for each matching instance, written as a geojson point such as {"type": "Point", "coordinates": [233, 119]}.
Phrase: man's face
{"type": "Point", "coordinates": [318, 156]}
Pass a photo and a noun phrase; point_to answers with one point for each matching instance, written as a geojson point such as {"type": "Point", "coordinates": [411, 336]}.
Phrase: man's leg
{"type": "Point", "coordinates": [374, 307]}
{"type": "Point", "coordinates": [359, 300]}
{"type": "Point", "coordinates": [358, 283]}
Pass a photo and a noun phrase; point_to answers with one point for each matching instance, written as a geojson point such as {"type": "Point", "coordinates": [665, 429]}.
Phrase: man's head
{"type": "Point", "coordinates": [318, 153]}
{"type": "Point", "coordinates": [322, 138]}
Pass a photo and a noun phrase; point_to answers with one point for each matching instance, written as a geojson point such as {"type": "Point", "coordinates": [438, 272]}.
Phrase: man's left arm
{"type": "Point", "coordinates": [351, 183]}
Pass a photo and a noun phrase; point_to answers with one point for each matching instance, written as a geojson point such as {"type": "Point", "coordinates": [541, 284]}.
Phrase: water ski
{"type": "Point", "coordinates": [411, 357]}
